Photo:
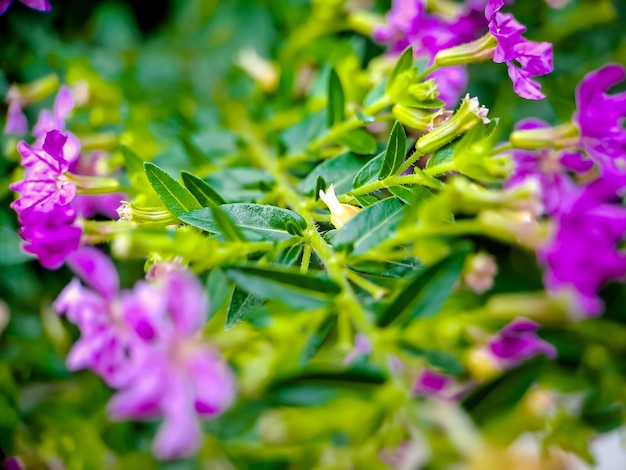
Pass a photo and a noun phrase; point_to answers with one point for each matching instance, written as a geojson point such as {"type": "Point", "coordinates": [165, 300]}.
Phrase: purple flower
{"type": "Point", "coordinates": [582, 253]}
{"type": "Point", "coordinates": [103, 314]}
{"type": "Point", "coordinates": [548, 167]}
{"type": "Point", "coordinates": [600, 116]}
{"type": "Point", "coordinates": [431, 383]}
{"type": "Point", "coordinates": [175, 376]}
{"type": "Point", "coordinates": [44, 185]}
{"type": "Point", "coordinates": [451, 83]}
{"type": "Point", "coordinates": [362, 347]}
{"type": "Point", "coordinates": [517, 342]}
{"type": "Point", "coordinates": [16, 124]}
{"type": "Point", "coordinates": [55, 120]}
{"type": "Point", "coordinates": [41, 5]}
{"type": "Point", "coordinates": [533, 58]}
{"type": "Point", "coordinates": [50, 235]}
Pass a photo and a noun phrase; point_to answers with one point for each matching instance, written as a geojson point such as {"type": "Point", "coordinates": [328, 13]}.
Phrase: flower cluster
{"type": "Point", "coordinates": [145, 344]}
{"type": "Point", "coordinates": [43, 206]}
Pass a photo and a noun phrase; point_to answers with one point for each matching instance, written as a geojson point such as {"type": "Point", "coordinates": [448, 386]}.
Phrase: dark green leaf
{"type": "Point", "coordinates": [195, 155]}
{"type": "Point", "coordinates": [426, 294]}
{"type": "Point", "coordinates": [369, 171]}
{"type": "Point", "coordinates": [359, 141]}
{"type": "Point", "coordinates": [394, 153]}
{"type": "Point", "coordinates": [339, 171]}
{"type": "Point", "coordinates": [288, 256]}
{"type": "Point", "coordinates": [298, 137]}
{"type": "Point", "coordinates": [404, 63]}
{"type": "Point", "coordinates": [503, 393]}
{"type": "Point", "coordinates": [411, 194]}
{"type": "Point", "coordinates": [316, 339]}
{"type": "Point", "coordinates": [242, 305]}
{"type": "Point", "coordinates": [226, 226]}
{"type": "Point", "coordinates": [256, 221]}
{"type": "Point", "coordinates": [369, 227]}
{"type": "Point", "coordinates": [336, 99]}
{"type": "Point", "coordinates": [10, 251]}
{"type": "Point", "coordinates": [174, 195]}
{"type": "Point", "coordinates": [442, 361]}
{"type": "Point", "coordinates": [201, 190]}
{"type": "Point", "coordinates": [320, 185]}
{"type": "Point", "coordinates": [366, 200]}
{"type": "Point", "coordinates": [239, 184]}
{"type": "Point", "coordinates": [289, 286]}
{"type": "Point", "coordinates": [442, 155]}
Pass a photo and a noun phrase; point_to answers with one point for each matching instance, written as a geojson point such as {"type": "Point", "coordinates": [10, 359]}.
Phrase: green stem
{"type": "Point", "coordinates": [427, 72]}
{"type": "Point", "coordinates": [440, 169]}
{"type": "Point", "coordinates": [409, 161]}
{"type": "Point", "coordinates": [396, 181]}
{"type": "Point", "coordinates": [306, 258]}
{"type": "Point", "coordinates": [372, 289]}
{"type": "Point", "coordinates": [94, 184]}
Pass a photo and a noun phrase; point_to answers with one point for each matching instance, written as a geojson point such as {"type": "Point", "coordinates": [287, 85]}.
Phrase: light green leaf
{"type": "Point", "coordinates": [174, 195]}
{"type": "Point", "coordinates": [404, 63]}
{"type": "Point", "coordinates": [226, 226]}
{"type": "Point", "coordinates": [369, 171]}
{"type": "Point", "coordinates": [369, 227]}
{"type": "Point", "coordinates": [336, 99]}
{"type": "Point", "coordinates": [394, 153]}
{"type": "Point", "coordinates": [202, 191]}
{"type": "Point", "coordinates": [242, 305]}
{"type": "Point", "coordinates": [257, 222]}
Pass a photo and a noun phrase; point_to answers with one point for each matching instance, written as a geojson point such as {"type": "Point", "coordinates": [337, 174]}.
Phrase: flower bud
{"type": "Point", "coordinates": [476, 51]}
{"type": "Point", "coordinates": [147, 216]}
{"type": "Point", "coordinates": [563, 136]}
{"type": "Point", "coordinates": [480, 270]}
{"type": "Point", "coordinates": [339, 213]}
{"type": "Point", "coordinates": [469, 113]}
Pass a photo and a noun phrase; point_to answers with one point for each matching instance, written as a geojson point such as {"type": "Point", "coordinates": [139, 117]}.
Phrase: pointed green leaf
{"type": "Point", "coordinates": [369, 227]}
{"type": "Point", "coordinates": [404, 63]}
{"type": "Point", "coordinates": [394, 153]}
{"type": "Point", "coordinates": [426, 294]}
{"type": "Point", "coordinates": [195, 155]}
{"type": "Point", "coordinates": [320, 185]}
{"type": "Point", "coordinates": [134, 167]}
{"type": "Point", "coordinates": [369, 171]}
{"type": "Point", "coordinates": [442, 155]}
{"type": "Point", "coordinates": [202, 191]}
{"type": "Point", "coordinates": [226, 227]}
{"type": "Point", "coordinates": [218, 287]}
{"type": "Point", "coordinates": [365, 200]}
{"type": "Point", "coordinates": [174, 195]}
{"type": "Point", "coordinates": [336, 99]}
{"type": "Point", "coordinates": [359, 141]}
{"type": "Point", "coordinates": [316, 339]}
{"type": "Point", "coordinates": [339, 171]}
{"type": "Point", "coordinates": [287, 285]}
{"type": "Point", "coordinates": [242, 305]}
{"type": "Point", "coordinates": [257, 221]}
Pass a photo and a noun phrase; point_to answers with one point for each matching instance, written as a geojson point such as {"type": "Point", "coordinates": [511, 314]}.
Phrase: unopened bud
{"type": "Point", "coordinates": [476, 51]}
{"type": "Point", "coordinates": [480, 270]}
{"type": "Point", "coordinates": [563, 136]}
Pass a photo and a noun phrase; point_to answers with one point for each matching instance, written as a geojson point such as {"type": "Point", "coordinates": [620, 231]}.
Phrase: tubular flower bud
{"type": "Point", "coordinates": [339, 213]}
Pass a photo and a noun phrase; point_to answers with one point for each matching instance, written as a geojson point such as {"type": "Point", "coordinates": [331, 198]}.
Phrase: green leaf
{"type": "Point", "coordinates": [442, 155]}
{"type": "Point", "coordinates": [195, 155]}
{"type": "Point", "coordinates": [339, 171]}
{"type": "Point", "coordinates": [297, 137]}
{"type": "Point", "coordinates": [369, 171]}
{"type": "Point", "coordinates": [242, 305]}
{"type": "Point", "coordinates": [503, 393]}
{"type": "Point", "coordinates": [336, 99]}
{"type": "Point", "coordinates": [289, 286]}
{"type": "Point", "coordinates": [257, 222]}
{"type": "Point", "coordinates": [320, 185]}
{"type": "Point", "coordinates": [369, 227]}
{"type": "Point", "coordinates": [134, 167]}
{"type": "Point", "coordinates": [217, 286]}
{"type": "Point", "coordinates": [174, 195]}
{"type": "Point", "coordinates": [365, 200]}
{"type": "Point", "coordinates": [201, 190]}
{"type": "Point", "coordinates": [442, 361]}
{"type": "Point", "coordinates": [239, 184]}
{"type": "Point", "coordinates": [411, 194]}
{"type": "Point", "coordinates": [394, 153]}
{"type": "Point", "coordinates": [404, 63]}
{"type": "Point", "coordinates": [425, 295]}
{"type": "Point", "coordinates": [317, 338]}
{"type": "Point", "coordinates": [359, 141]}
{"type": "Point", "coordinates": [226, 227]}
{"type": "Point", "coordinates": [10, 251]}
{"type": "Point", "coordinates": [374, 95]}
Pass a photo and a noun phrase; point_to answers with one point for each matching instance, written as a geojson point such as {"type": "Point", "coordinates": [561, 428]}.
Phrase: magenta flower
{"type": "Point", "coordinates": [600, 116]}
{"type": "Point", "coordinates": [524, 59]}
{"type": "Point", "coordinates": [103, 315]}
{"type": "Point", "coordinates": [582, 253]}
{"type": "Point", "coordinates": [55, 120]}
{"type": "Point", "coordinates": [50, 235]}
{"type": "Point", "coordinates": [176, 375]}
{"type": "Point", "coordinates": [44, 185]}
{"type": "Point", "coordinates": [517, 342]}
{"type": "Point", "coordinates": [431, 383]}
{"type": "Point", "coordinates": [548, 167]}
{"type": "Point", "coordinates": [41, 5]}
